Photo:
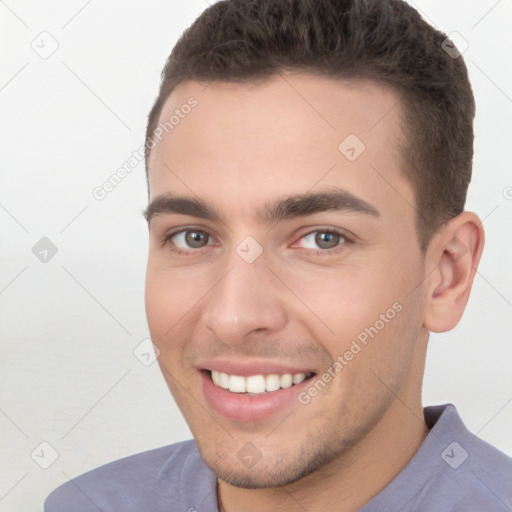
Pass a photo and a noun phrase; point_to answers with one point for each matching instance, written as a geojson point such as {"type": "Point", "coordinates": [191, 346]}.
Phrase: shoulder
{"type": "Point", "coordinates": [452, 470]}
{"type": "Point", "coordinates": [485, 474]}
{"type": "Point", "coordinates": [154, 480]}
{"type": "Point", "coordinates": [471, 475]}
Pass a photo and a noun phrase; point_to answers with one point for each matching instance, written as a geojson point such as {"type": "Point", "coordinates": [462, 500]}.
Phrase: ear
{"type": "Point", "coordinates": [454, 253]}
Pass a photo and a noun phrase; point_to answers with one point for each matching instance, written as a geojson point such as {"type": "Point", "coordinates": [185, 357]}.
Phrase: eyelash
{"type": "Point", "coordinates": [166, 241]}
{"type": "Point", "coordinates": [345, 239]}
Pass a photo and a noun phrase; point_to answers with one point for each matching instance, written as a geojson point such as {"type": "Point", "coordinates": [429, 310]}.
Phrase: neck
{"type": "Point", "coordinates": [350, 481]}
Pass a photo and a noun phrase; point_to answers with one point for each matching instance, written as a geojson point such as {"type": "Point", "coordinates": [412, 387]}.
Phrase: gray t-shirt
{"type": "Point", "coordinates": [452, 471]}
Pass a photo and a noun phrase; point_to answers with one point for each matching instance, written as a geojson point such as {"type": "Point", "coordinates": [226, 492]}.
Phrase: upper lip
{"type": "Point", "coordinates": [247, 367]}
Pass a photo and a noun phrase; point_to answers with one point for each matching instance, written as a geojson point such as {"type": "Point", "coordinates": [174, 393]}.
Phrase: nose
{"type": "Point", "coordinates": [246, 300]}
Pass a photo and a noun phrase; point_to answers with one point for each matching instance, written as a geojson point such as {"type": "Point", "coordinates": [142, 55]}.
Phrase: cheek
{"type": "Point", "coordinates": [158, 304]}
{"type": "Point", "coordinates": [169, 300]}
{"type": "Point", "coordinates": [170, 315]}
{"type": "Point", "coordinates": [359, 302]}
{"type": "Point", "coordinates": [340, 303]}
{"type": "Point", "coordinates": [174, 300]}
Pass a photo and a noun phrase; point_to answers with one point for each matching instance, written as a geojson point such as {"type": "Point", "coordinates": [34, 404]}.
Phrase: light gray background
{"type": "Point", "coordinates": [69, 326]}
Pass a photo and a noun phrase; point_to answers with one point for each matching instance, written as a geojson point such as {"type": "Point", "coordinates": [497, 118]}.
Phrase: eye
{"type": "Point", "coordinates": [190, 239]}
{"type": "Point", "coordinates": [325, 240]}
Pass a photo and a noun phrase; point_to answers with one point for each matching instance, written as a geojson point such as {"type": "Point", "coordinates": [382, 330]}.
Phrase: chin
{"type": "Point", "coordinates": [273, 469]}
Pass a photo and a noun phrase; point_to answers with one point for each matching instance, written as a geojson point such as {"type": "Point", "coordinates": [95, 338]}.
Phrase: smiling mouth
{"type": "Point", "coordinates": [260, 384]}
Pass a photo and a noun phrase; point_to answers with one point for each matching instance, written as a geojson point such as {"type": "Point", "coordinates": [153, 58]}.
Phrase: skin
{"type": "Point", "coordinates": [244, 147]}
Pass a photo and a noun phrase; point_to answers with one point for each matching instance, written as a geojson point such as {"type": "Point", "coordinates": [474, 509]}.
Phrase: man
{"type": "Point", "coordinates": [307, 163]}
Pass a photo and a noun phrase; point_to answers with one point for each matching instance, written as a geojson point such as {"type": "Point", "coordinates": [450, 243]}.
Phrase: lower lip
{"type": "Point", "coordinates": [242, 407]}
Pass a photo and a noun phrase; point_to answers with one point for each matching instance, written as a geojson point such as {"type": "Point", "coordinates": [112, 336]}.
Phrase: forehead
{"type": "Point", "coordinates": [293, 133]}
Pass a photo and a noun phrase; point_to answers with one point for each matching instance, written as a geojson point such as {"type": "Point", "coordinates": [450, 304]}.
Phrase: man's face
{"type": "Point", "coordinates": [276, 252]}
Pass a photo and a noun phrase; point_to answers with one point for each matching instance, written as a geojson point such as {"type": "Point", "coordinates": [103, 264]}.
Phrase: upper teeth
{"type": "Point", "coordinates": [256, 384]}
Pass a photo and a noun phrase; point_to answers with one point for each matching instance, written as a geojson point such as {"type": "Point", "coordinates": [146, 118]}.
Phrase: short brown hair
{"type": "Point", "coordinates": [247, 41]}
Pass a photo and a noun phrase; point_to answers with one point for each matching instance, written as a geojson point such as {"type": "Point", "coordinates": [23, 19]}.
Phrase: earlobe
{"type": "Point", "coordinates": [454, 254]}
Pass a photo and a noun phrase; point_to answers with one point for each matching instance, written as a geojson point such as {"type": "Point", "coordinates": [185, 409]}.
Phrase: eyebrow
{"type": "Point", "coordinates": [169, 203]}
{"type": "Point", "coordinates": [299, 205]}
